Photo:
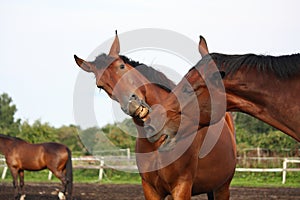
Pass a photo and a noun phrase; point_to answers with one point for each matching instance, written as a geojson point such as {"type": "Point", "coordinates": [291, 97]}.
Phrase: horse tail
{"type": "Point", "coordinates": [69, 175]}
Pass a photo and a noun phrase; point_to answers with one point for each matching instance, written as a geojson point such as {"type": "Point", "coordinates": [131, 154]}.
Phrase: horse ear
{"type": "Point", "coordinates": [203, 50]}
{"type": "Point", "coordinates": [86, 66]}
{"type": "Point", "coordinates": [115, 47]}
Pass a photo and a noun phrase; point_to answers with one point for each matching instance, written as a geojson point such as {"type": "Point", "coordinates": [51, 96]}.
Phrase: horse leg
{"type": "Point", "coordinates": [149, 192]}
{"type": "Point", "coordinates": [21, 176]}
{"type": "Point", "coordinates": [223, 193]}
{"type": "Point", "coordinates": [182, 191]}
{"type": "Point", "coordinates": [15, 173]}
{"type": "Point", "coordinates": [61, 176]}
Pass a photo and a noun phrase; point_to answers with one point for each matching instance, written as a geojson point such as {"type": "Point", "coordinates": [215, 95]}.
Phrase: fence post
{"type": "Point", "coordinates": [128, 153]}
{"type": "Point", "coordinates": [258, 154]}
{"type": "Point", "coordinates": [50, 175]}
{"type": "Point", "coordinates": [284, 167]}
{"type": "Point", "coordinates": [4, 172]}
{"type": "Point", "coordinates": [101, 168]}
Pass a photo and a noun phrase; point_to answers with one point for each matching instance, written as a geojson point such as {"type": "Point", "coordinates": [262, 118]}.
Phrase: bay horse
{"type": "Point", "coordinates": [181, 172]}
{"type": "Point", "coordinates": [265, 87]}
{"type": "Point", "coordinates": [21, 155]}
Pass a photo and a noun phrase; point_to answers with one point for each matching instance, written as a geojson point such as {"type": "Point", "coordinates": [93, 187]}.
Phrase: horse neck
{"type": "Point", "coordinates": [265, 97]}
{"type": "Point", "coordinates": [154, 94]}
{"type": "Point", "coordinates": [4, 144]}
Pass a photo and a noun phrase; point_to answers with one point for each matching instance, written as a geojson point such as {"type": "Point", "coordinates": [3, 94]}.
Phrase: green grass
{"type": "Point", "coordinates": [245, 179]}
{"type": "Point", "coordinates": [81, 176]}
{"type": "Point", "coordinates": [266, 179]}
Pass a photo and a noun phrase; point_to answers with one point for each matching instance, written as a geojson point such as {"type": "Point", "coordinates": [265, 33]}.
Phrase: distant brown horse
{"type": "Point", "coordinates": [265, 87]}
{"type": "Point", "coordinates": [21, 155]}
{"type": "Point", "coordinates": [183, 171]}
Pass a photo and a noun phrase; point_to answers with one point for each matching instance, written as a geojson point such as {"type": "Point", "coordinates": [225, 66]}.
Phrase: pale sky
{"type": "Point", "coordinates": [39, 38]}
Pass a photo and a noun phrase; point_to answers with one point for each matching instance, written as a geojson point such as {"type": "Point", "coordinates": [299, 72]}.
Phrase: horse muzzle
{"type": "Point", "coordinates": [137, 108]}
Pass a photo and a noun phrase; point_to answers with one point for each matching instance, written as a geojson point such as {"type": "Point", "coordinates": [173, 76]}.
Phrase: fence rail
{"type": "Point", "coordinates": [101, 163]}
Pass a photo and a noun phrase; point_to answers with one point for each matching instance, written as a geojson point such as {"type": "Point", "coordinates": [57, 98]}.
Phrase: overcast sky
{"type": "Point", "coordinates": [39, 38]}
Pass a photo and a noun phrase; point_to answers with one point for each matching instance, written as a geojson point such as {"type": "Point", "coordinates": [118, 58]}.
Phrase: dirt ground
{"type": "Point", "coordinates": [47, 191]}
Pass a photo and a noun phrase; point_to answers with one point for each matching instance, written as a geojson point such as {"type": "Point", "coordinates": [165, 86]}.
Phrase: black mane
{"type": "Point", "coordinates": [154, 76]}
{"type": "Point", "coordinates": [282, 66]}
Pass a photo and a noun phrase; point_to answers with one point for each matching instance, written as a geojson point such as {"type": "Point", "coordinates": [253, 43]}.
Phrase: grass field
{"type": "Point", "coordinates": [246, 179]}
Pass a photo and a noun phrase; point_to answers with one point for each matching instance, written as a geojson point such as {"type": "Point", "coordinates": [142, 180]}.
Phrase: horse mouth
{"type": "Point", "coordinates": [138, 109]}
{"type": "Point", "coordinates": [141, 112]}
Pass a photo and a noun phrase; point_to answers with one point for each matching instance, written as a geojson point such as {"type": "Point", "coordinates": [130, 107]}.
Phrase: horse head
{"type": "Point", "coordinates": [196, 101]}
{"type": "Point", "coordinates": [120, 80]}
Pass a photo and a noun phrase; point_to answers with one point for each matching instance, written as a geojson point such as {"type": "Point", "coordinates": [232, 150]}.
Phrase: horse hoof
{"type": "Point", "coordinates": [61, 196]}
{"type": "Point", "coordinates": [22, 197]}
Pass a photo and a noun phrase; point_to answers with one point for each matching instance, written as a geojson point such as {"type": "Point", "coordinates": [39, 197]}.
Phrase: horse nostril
{"type": "Point", "coordinates": [133, 96]}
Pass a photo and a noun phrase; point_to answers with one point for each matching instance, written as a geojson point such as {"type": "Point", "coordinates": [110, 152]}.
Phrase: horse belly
{"type": "Point", "coordinates": [208, 180]}
{"type": "Point", "coordinates": [33, 163]}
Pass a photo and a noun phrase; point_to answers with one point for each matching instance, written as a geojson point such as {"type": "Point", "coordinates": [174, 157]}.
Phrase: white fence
{"type": "Point", "coordinates": [101, 163]}
{"type": "Point", "coordinates": [125, 163]}
{"type": "Point", "coordinates": [284, 168]}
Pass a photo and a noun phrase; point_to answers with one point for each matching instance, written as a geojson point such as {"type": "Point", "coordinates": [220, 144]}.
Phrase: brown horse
{"type": "Point", "coordinates": [265, 87]}
{"type": "Point", "coordinates": [21, 155]}
{"type": "Point", "coordinates": [183, 171]}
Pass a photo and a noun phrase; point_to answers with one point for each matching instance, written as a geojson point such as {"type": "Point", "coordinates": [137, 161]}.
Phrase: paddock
{"type": "Point", "coordinates": [37, 191]}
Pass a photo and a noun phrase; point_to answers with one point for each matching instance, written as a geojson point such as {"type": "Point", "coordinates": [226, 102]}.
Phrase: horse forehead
{"type": "Point", "coordinates": [103, 61]}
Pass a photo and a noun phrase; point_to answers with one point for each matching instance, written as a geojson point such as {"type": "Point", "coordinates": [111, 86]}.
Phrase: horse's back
{"type": "Point", "coordinates": [54, 148]}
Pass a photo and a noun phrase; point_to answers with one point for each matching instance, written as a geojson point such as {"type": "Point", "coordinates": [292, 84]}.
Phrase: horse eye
{"type": "Point", "coordinates": [122, 66]}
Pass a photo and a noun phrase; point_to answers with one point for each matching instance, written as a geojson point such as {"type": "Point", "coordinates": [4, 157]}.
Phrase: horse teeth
{"type": "Point", "coordinates": [138, 110]}
{"type": "Point", "coordinates": [143, 113]}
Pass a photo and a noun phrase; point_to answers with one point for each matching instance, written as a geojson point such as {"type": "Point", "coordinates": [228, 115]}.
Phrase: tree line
{"type": "Point", "coordinates": [250, 133]}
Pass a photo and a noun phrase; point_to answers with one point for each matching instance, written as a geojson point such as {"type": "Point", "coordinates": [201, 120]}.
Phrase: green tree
{"type": "Point", "coordinates": [120, 138]}
{"type": "Point", "coordinates": [69, 136]}
{"type": "Point", "coordinates": [251, 124]}
{"type": "Point", "coordinates": [278, 141]}
{"type": "Point", "coordinates": [95, 140]}
{"type": "Point", "coordinates": [38, 132]}
{"type": "Point", "coordinates": [8, 124]}
{"type": "Point", "coordinates": [252, 133]}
